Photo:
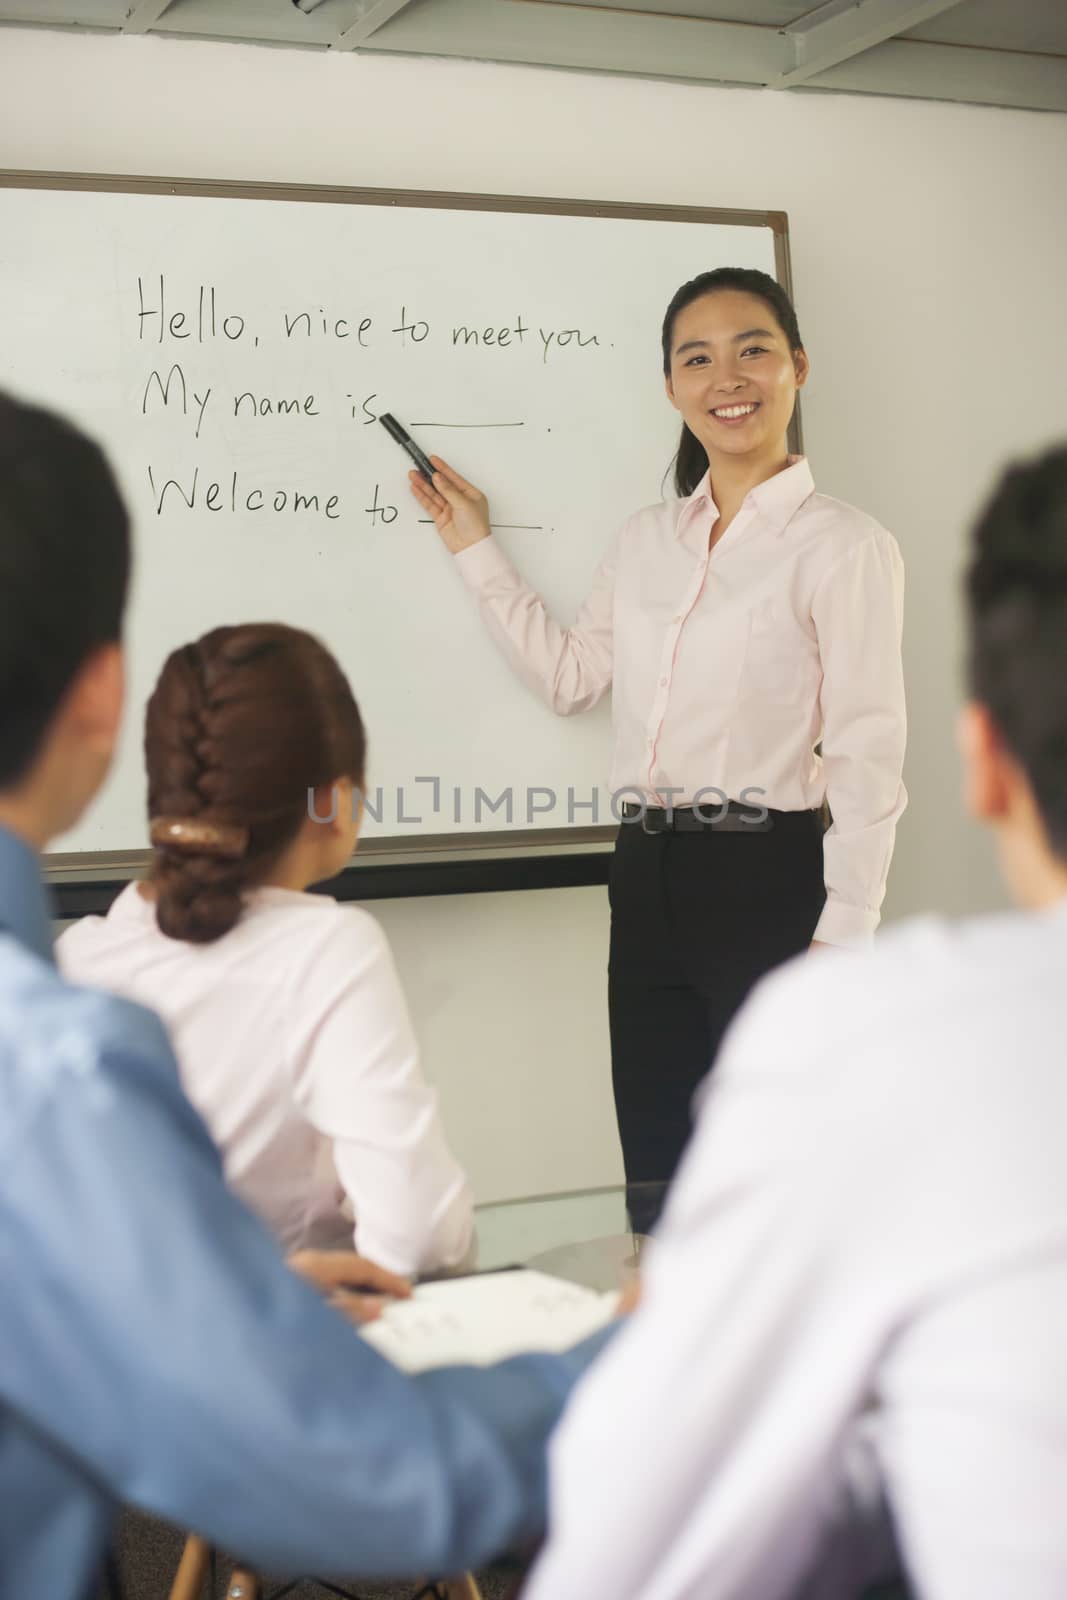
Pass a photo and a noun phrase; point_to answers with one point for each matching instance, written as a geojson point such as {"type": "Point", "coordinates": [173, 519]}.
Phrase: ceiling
{"type": "Point", "coordinates": [989, 52]}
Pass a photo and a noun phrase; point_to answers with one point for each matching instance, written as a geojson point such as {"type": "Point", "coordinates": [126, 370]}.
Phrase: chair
{"type": "Point", "coordinates": [192, 1569]}
{"type": "Point", "coordinates": [197, 1559]}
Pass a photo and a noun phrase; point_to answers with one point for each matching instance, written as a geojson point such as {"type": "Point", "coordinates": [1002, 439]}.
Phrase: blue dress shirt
{"type": "Point", "coordinates": [154, 1348]}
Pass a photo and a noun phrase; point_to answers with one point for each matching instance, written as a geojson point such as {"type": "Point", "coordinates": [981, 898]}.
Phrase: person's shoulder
{"type": "Point", "coordinates": [843, 527]}
{"type": "Point", "coordinates": [56, 1035]}
{"type": "Point", "coordinates": [83, 935]}
{"type": "Point", "coordinates": [95, 949]}
{"type": "Point", "coordinates": [660, 515]}
{"type": "Point", "coordinates": [843, 1003]}
{"type": "Point", "coordinates": [128, 908]}
{"type": "Point", "coordinates": [318, 932]}
{"type": "Point", "coordinates": [45, 1003]}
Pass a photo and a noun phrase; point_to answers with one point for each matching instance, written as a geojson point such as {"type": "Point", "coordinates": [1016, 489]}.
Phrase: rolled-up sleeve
{"type": "Point", "coordinates": [358, 1080]}
{"type": "Point", "coordinates": [570, 668]}
{"type": "Point", "coordinates": [858, 616]}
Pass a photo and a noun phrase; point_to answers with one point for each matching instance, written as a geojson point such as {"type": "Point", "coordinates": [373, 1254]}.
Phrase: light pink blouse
{"type": "Point", "coordinates": [728, 666]}
{"type": "Point", "coordinates": [294, 1044]}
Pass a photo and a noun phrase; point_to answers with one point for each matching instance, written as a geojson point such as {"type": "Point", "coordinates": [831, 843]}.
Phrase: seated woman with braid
{"type": "Point", "coordinates": [288, 1020]}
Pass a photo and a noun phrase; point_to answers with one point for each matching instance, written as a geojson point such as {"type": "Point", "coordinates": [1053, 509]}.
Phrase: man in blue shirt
{"type": "Point", "coordinates": [154, 1348]}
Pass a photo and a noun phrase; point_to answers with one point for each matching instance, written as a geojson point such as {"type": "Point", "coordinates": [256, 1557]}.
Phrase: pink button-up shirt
{"type": "Point", "coordinates": [294, 1044]}
{"type": "Point", "coordinates": [729, 665]}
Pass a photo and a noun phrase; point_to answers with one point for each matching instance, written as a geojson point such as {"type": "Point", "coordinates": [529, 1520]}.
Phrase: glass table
{"type": "Point", "coordinates": [586, 1236]}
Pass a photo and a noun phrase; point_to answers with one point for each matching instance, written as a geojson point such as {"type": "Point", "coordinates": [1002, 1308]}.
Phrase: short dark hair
{"type": "Point", "coordinates": [691, 463]}
{"type": "Point", "coordinates": [1017, 597]}
{"type": "Point", "coordinates": [64, 570]}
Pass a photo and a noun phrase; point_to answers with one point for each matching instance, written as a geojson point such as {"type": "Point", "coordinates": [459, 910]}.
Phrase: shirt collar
{"type": "Point", "coordinates": [23, 902]}
{"type": "Point", "coordinates": [776, 500]}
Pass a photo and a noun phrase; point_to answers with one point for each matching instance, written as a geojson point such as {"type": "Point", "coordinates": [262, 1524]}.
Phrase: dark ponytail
{"type": "Point", "coordinates": [691, 461]}
{"type": "Point", "coordinates": [240, 726]}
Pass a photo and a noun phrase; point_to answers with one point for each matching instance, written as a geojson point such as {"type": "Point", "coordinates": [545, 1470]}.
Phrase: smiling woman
{"type": "Point", "coordinates": [749, 631]}
{"type": "Point", "coordinates": [769, 365]}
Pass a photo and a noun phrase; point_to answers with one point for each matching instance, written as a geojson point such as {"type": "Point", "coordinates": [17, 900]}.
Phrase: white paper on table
{"type": "Point", "coordinates": [478, 1320]}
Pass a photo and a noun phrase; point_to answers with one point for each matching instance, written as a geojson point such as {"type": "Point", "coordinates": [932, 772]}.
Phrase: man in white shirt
{"type": "Point", "coordinates": [869, 1230]}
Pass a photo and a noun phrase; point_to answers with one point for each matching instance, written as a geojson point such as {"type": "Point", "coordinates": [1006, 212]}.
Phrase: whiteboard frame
{"type": "Point", "coordinates": [102, 868]}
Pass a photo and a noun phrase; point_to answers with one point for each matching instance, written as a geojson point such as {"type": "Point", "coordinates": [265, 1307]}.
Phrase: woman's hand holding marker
{"type": "Point", "coordinates": [459, 510]}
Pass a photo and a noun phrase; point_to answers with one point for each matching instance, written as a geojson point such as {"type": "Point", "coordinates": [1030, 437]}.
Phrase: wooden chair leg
{"type": "Point", "coordinates": [192, 1568]}
{"type": "Point", "coordinates": [243, 1585]}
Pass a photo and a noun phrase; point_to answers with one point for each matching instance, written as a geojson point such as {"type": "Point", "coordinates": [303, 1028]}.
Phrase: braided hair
{"type": "Point", "coordinates": [240, 726]}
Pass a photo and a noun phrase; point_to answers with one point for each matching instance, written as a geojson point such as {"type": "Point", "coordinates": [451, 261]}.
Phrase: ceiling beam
{"type": "Point", "coordinates": [370, 18]}
{"type": "Point", "coordinates": [594, 38]}
{"type": "Point", "coordinates": [924, 70]}
{"type": "Point", "coordinates": [144, 14]}
{"type": "Point", "coordinates": [831, 35]}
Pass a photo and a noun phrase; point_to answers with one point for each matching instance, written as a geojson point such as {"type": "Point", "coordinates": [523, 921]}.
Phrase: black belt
{"type": "Point", "coordinates": [729, 818]}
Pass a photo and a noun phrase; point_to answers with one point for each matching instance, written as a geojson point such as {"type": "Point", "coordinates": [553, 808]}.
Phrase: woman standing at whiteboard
{"type": "Point", "coordinates": [739, 626]}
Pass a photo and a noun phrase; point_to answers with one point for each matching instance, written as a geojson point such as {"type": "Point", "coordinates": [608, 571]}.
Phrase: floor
{"type": "Point", "coordinates": [148, 1552]}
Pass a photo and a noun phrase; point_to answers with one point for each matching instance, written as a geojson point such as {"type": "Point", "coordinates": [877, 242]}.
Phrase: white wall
{"type": "Point", "coordinates": [509, 992]}
{"type": "Point", "coordinates": [928, 243]}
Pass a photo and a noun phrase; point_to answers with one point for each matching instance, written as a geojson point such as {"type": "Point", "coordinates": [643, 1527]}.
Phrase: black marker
{"type": "Point", "coordinates": [406, 442]}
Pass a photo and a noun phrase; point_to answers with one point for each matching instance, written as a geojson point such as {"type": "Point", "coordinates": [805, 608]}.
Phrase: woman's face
{"type": "Point", "coordinates": [733, 376]}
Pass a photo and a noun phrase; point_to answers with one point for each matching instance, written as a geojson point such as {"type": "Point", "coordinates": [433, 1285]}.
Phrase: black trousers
{"type": "Point", "coordinates": [696, 920]}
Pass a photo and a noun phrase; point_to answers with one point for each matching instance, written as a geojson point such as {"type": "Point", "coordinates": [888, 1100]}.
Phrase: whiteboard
{"type": "Point", "coordinates": [232, 346]}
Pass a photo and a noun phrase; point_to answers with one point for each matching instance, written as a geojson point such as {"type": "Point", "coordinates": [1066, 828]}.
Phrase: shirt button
{"type": "Point", "coordinates": [678, 618]}
{"type": "Point", "coordinates": [663, 683]}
